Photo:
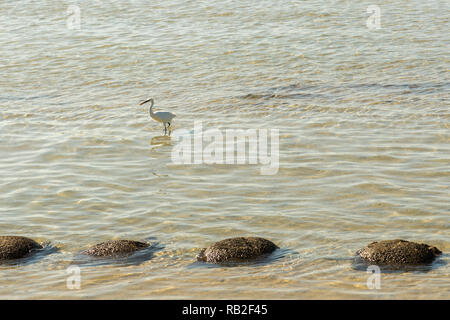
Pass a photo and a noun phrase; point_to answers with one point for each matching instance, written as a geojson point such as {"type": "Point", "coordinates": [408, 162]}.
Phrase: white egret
{"type": "Point", "coordinates": [164, 117]}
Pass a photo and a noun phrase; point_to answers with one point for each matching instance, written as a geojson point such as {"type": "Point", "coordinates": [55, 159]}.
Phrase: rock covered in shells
{"type": "Point", "coordinates": [16, 247]}
{"type": "Point", "coordinates": [236, 249]}
{"type": "Point", "coordinates": [398, 252]}
{"type": "Point", "coordinates": [115, 248]}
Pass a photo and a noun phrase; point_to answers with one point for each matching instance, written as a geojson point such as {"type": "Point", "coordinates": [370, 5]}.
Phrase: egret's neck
{"type": "Point", "coordinates": [150, 111]}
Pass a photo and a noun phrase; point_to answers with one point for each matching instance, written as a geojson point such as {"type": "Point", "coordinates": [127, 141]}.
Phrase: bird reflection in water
{"type": "Point", "coordinates": [161, 141]}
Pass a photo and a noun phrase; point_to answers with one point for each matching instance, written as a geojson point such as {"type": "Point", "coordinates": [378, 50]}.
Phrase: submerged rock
{"type": "Point", "coordinates": [398, 252]}
{"type": "Point", "coordinates": [16, 247]}
{"type": "Point", "coordinates": [236, 249]}
{"type": "Point", "coordinates": [115, 248]}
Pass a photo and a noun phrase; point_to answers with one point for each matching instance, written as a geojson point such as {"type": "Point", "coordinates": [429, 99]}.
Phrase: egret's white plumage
{"type": "Point", "coordinates": [164, 117]}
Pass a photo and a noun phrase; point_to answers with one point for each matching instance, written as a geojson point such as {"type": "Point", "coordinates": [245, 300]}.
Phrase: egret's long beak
{"type": "Point", "coordinates": [145, 101]}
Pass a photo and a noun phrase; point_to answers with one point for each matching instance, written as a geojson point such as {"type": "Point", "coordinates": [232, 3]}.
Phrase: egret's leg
{"type": "Point", "coordinates": [165, 128]}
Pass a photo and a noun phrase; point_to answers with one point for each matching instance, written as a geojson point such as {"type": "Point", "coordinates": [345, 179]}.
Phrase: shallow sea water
{"type": "Point", "coordinates": [363, 119]}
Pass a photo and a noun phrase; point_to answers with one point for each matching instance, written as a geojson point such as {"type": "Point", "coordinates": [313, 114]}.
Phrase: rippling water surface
{"type": "Point", "coordinates": [364, 149]}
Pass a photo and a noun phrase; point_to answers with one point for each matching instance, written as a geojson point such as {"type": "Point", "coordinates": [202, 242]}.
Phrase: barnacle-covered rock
{"type": "Point", "coordinates": [236, 249]}
{"type": "Point", "coordinates": [398, 252]}
{"type": "Point", "coordinates": [115, 248]}
{"type": "Point", "coordinates": [16, 247]}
